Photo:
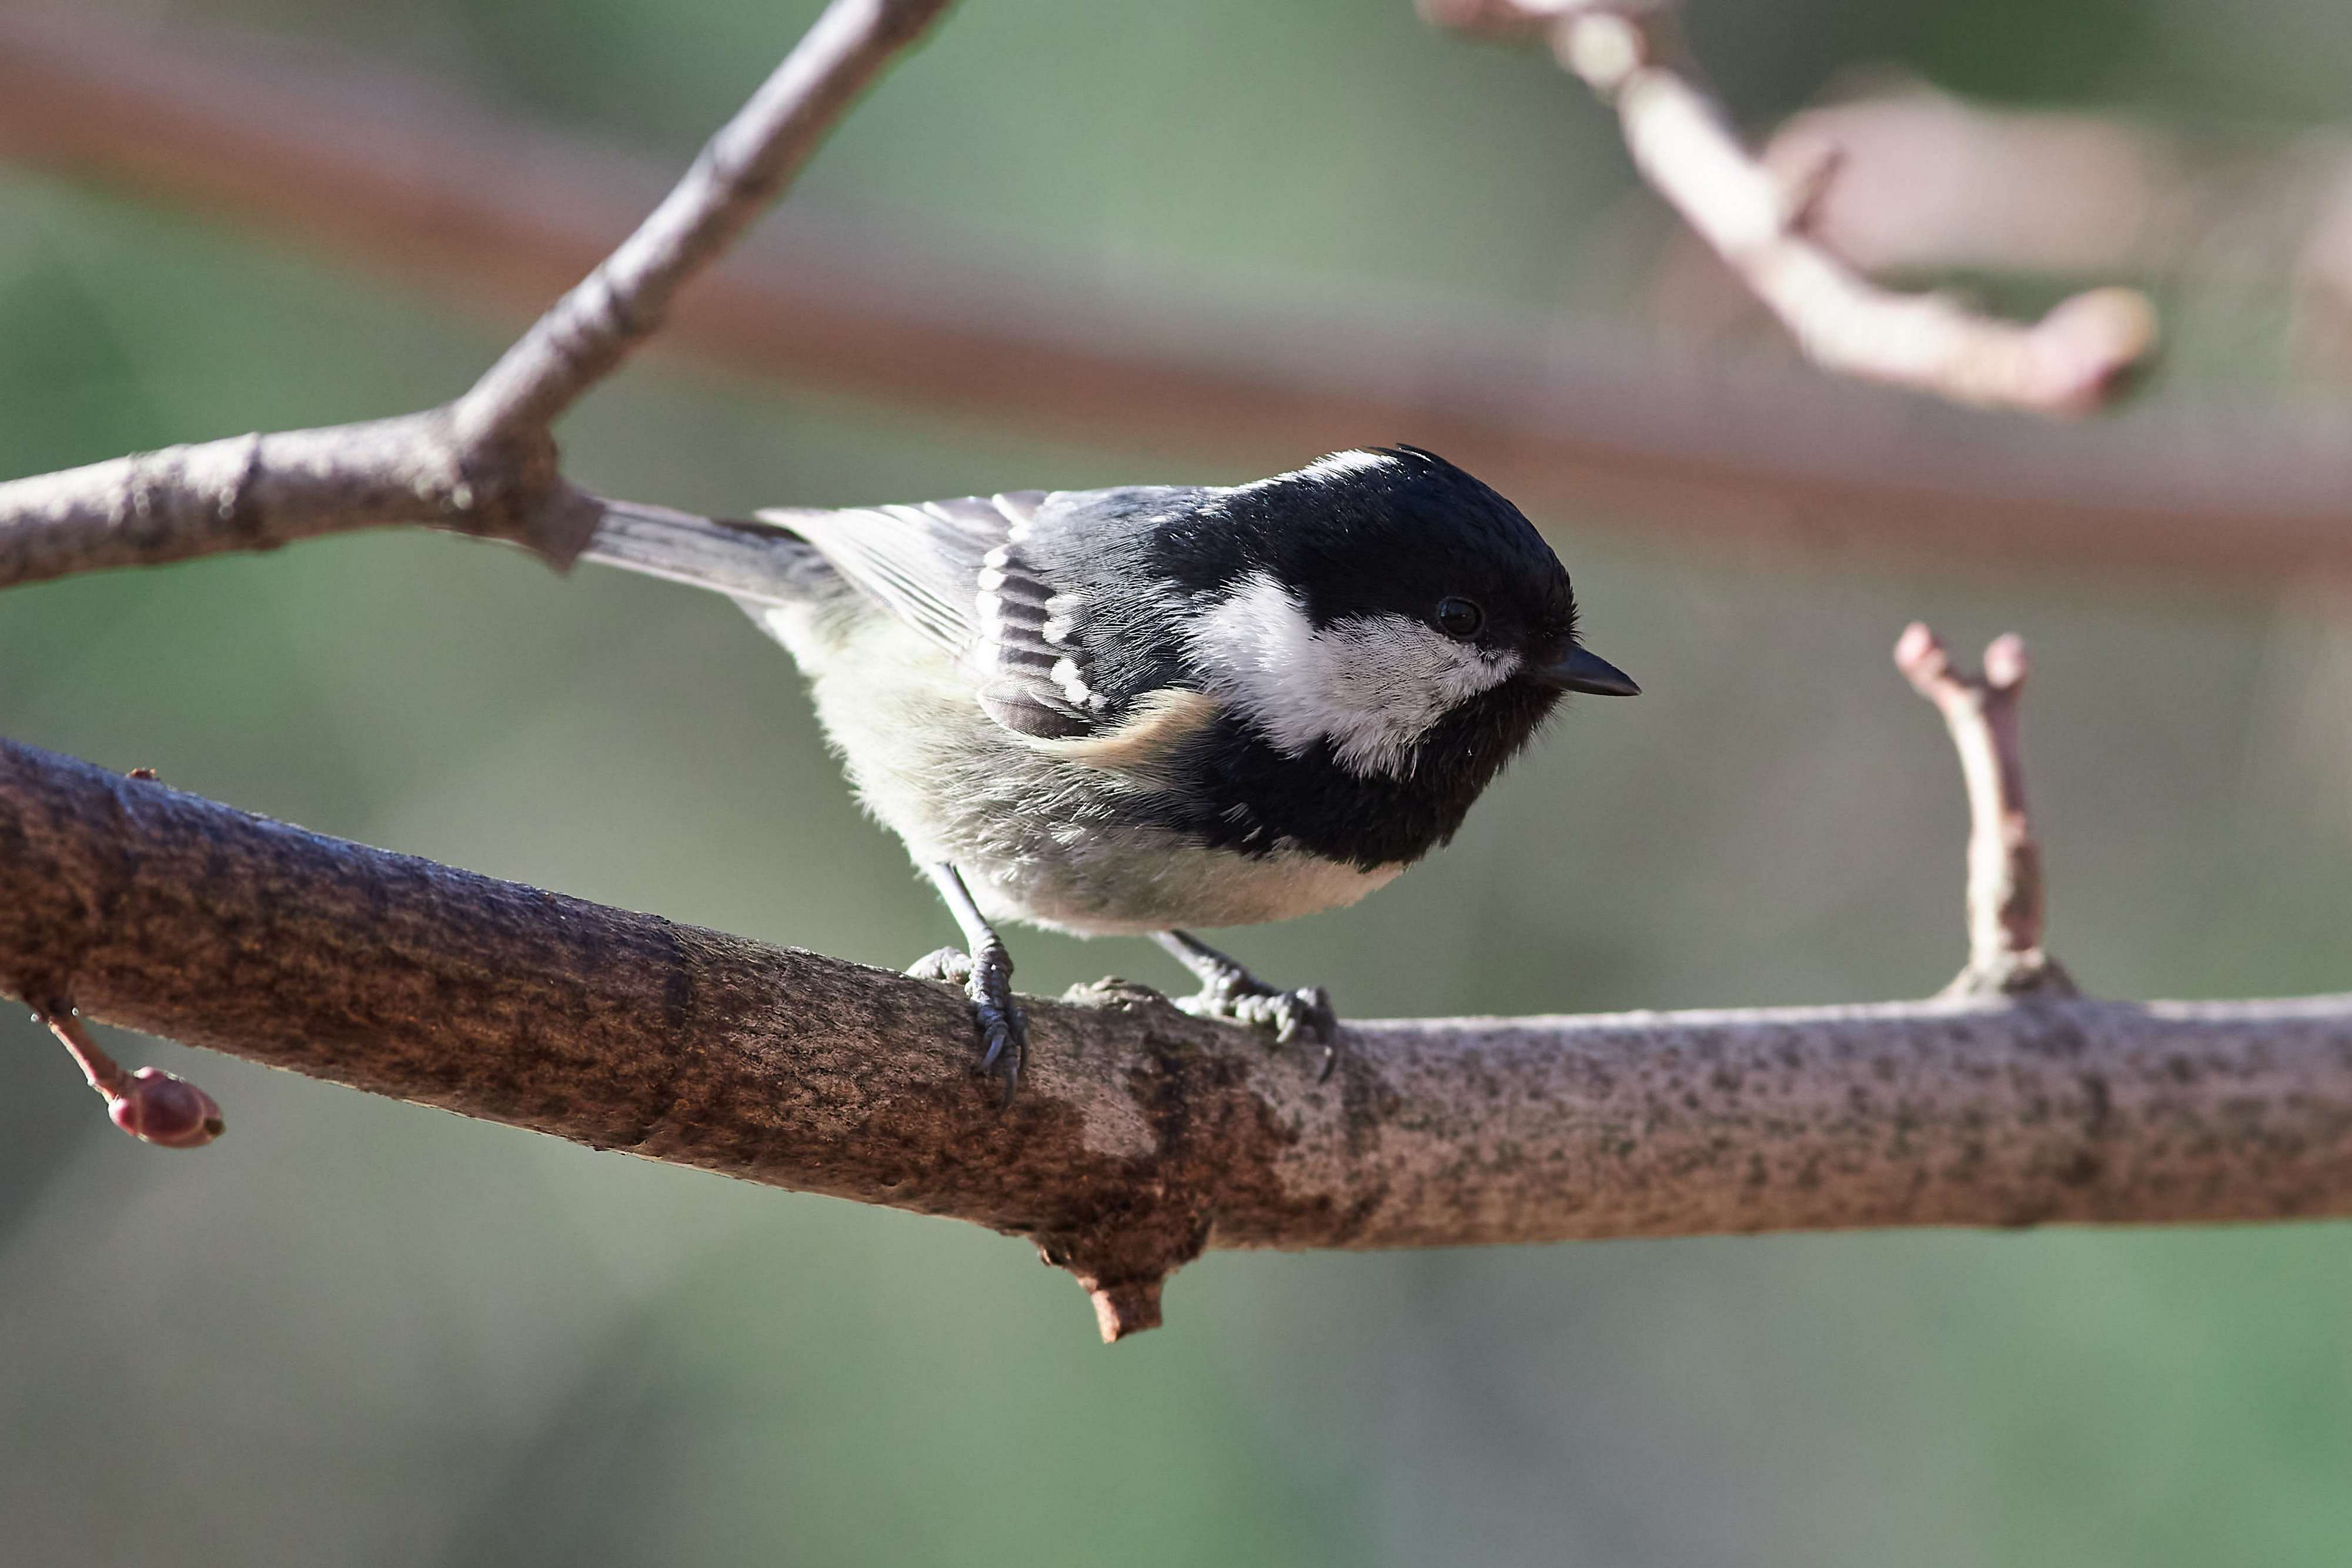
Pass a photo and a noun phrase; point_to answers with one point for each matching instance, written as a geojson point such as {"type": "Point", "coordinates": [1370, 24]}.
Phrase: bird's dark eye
{"type": "Point", "coordinates": [1459, 618]}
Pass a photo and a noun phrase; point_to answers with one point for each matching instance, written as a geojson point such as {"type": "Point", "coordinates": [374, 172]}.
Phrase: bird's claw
{"type": "Point", "coordinates": [1004, 1027]}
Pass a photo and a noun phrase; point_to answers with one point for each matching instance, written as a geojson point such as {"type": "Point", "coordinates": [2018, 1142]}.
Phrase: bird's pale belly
{"type": "Point", "coordinates": [1040, 835]}
{"type": "Point", "coordinates": [1154, 881]}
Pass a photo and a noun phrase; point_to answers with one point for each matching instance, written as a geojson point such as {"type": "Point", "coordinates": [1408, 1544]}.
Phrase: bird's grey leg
{"type": "Point", "coordinates": [1230, 991]}
{"type": "Point", "coordinates": [984, 970]}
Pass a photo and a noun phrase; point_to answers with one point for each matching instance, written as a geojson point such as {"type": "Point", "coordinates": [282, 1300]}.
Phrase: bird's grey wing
{"type": "Point", "coordinates": [957, 572]}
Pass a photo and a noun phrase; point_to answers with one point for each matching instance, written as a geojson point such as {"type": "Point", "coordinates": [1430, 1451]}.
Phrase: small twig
{"type": "Point", "coordinates": [742, 168]}
{"type": "Point", "coordinates": [2005, 955]}
{"type": "Point", "coordinates": [2069, 362]}
{"type": "Point", "coordinates": [486, 464]}
{"type": "Point", "coordinates": [151, 1105]}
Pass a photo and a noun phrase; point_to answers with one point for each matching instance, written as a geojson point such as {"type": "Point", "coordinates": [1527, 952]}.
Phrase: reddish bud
{"type": "Point", "coordinates": [163, 1108]}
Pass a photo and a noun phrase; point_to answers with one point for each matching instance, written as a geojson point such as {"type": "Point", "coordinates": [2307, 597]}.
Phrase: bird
{"type": "Point", "coordinates": [1141, 710]}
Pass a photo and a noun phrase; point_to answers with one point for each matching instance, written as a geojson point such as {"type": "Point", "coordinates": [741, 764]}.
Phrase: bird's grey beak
{"type": "Point", "coordinates": [1582, 670]}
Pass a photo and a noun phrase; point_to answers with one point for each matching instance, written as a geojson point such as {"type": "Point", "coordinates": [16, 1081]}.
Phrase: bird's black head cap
{"type": "Point", "coordinates": [1395, 530]}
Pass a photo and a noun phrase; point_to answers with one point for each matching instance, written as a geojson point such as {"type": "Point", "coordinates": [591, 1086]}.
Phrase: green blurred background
{"type": "Point", "coordinates": [356, 1332]}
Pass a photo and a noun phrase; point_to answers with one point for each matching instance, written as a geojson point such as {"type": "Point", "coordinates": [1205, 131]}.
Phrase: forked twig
{"type": "Point", "coordinates": [486, 463]}
{"type": "Point", "coordinates": [2005, 953]}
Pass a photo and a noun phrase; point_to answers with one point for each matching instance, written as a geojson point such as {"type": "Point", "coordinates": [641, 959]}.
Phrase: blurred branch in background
{"type": "Point", "coordinates": [1759, 221]}
{"type": "Point", "coordinates": [1925, 179]}
{"type": "Point", "coordinates": [1928, 181]}
{"type": "Point", "coordinates": [1141, 1135]}
{"type": "Point", "coordinates": [407, 180]}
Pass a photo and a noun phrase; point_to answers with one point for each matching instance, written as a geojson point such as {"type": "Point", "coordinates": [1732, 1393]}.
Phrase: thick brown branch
{"type": "Point", "coordinates": [404, 180]}
{"type": "Point", "coordinates": [2069, 362]}
{"type": "Point", "coordinates": [1140, 1134]}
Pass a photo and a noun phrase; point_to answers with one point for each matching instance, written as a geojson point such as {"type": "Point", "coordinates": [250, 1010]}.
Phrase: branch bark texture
{"type": "Point", "coordinates": [1143, 1135]}
{"type": "Point", "coordinates": [389, 173]}
{"type": "Point", "coordinates": [259, 492]}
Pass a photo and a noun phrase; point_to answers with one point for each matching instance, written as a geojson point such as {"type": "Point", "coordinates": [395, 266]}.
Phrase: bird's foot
{"type": "Point", "coordinates": [1305, 1013]}
{"type": "Point", "coordinates": [1232, 993]}
{"type": "Point", "coordinates": [1004, 1027]}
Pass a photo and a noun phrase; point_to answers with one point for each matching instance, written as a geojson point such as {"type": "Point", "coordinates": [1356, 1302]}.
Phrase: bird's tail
{"type": "Point", "coordinates": [755, 563]}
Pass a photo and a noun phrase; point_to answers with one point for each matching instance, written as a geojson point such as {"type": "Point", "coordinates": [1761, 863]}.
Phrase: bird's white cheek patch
{"type": "Point", "coordinates": [1371, 686]}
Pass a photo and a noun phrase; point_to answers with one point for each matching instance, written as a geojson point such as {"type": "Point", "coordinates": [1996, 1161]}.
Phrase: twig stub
{"type": "Point", "coordinates": [1123, 1310]}
{"type": "Point", "coordinates": [2004, 896]}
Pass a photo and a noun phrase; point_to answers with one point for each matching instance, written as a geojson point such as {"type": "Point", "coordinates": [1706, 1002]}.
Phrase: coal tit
{"type": "Point", "coordinates": [1132, 711]}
